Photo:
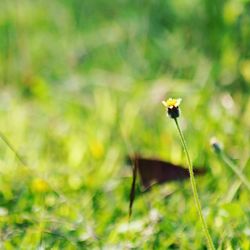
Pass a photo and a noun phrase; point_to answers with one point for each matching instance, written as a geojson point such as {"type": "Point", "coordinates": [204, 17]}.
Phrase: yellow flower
{"type": "Point", "coordinates": [172, 103]}
{"type": "Point", "coordinates": [39, 186]}
{"type": "Point", "coordinates": [97, 149]}
{"type": "Point", "coordinates": [172, 106]}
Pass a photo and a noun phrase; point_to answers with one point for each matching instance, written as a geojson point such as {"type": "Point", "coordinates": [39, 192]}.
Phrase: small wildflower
{"type": "Point", "coordinates": [172, 106]}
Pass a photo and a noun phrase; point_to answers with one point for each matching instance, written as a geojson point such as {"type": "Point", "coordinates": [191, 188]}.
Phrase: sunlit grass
{"type": "Point", "coordinates": [81, 86]}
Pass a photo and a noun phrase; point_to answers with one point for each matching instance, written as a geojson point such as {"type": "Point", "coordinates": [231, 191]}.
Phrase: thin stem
{"type": "Point", "coordinates": [6, 141]}
{"type": "Point", "coordinates": [235, 169]}
{"type": "Point", "coordinates": [194, 189]}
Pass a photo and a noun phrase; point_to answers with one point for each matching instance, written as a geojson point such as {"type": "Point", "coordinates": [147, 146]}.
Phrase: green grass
{"type": "Point", "coordinates": [81, 87]}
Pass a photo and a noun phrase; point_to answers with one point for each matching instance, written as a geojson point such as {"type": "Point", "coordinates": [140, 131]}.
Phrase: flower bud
{"type": "Point", "coordinates": [215, 145]}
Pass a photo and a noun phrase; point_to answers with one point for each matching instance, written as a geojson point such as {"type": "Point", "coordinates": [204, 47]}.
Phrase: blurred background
{"type": "Point", "coordinates": [81, 88]}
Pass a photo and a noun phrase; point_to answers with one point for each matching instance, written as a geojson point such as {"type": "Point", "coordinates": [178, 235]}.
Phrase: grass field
{"type": "Point", "coordinates": [81, 88]}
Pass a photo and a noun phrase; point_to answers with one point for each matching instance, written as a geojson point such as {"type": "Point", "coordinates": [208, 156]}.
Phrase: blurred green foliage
{"type": "Point", "coordinates": [81, 88]}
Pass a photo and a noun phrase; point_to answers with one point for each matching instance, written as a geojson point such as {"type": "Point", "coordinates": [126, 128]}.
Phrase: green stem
{"type": "Point", "coordinates": [235, 169]}
{"type": "Point", "coordinates": [5, 140]}
{"type": "Point", "coordinates": [194, 189]}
